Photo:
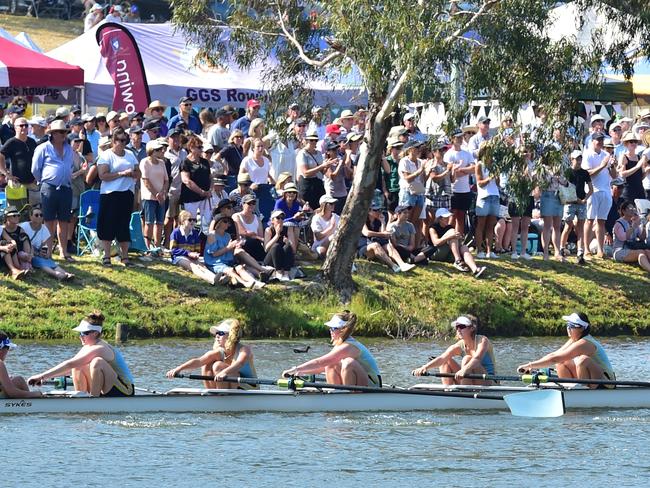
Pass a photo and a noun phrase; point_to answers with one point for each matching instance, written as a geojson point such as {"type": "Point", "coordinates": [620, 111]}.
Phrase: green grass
{"type": "Point", "coordinates": [46, 33]}
{"type": "Point", "coordinates": [157, 299]}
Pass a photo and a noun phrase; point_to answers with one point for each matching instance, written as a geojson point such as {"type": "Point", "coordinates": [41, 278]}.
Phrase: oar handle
{"type": "Point", "coordinates": [537, 378]}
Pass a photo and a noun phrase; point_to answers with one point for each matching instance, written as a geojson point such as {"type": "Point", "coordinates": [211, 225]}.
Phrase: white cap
{"type": "Point", "coordinates": [336, 322]}
{"type": "Point", "coordinates": [154, 145]}
{"type": "Point", "coordinates": [7, 343]}
{"type": "Point", "coordinates": [574, 319]}
{"type": "Point", "coordinates": [596, 118]}
{"type": "Point", "coordinates": [615, 125]}
{"type": "Point", "coordinates": [223, 326]}
{"type": "Point", "coordinates": [575, 154]}
{"type": "Point", "coordinates": [37, 120]}
{"type": "Point", "coordinates": [626, 119]}
{"type": "Point", "coordinates": [443, 212]}
{"type": "Point", "coordinates": [346, 114]}
{"type": "Point", "coordinates": [326, 199]}
{"type": "Point", "coordinates": [96, 7]}
{"type": "Point", "coordinates": [462, 320]}
{"type": "Point", "coordinates": [62, 112]}
{"type": "Point", "coordinates": [85, 326]}
{"type": "Point", "coordinates": [409, 116]}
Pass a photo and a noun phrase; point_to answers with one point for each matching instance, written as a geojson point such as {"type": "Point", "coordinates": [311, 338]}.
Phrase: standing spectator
{"type": "Point", "coordinates": [19, 150]}
{"type": "Point", "coordinates": [92, 134]}
{"type": "Point", "coordinates": [597, 126]}
{"type": "Point", "coordinates": [196, 180]}
{"type": "Point", "coordinates": [156, 111]}
{"type": "Point", "coordinates": [438, 185]}
{"type": "Point", "coordinates": [316, 124]}
{"type": "Point", "coordinates": [79, 171]}
{"type": "Point", "coordinates": [115, 14]}
{"type": "Point", "coordinates": [390, 172]}
{"type": "Point", "coordinates": [207, 119]}
{"type": "Point", "coordinates": [118, 171]}
{"type": "Point", "coordinates": [257, 130]}
{"type": "Point", "coordinates": [324, 225]}
{"type": "Point", "coordinates": [133, 15]}
{"type": "Point", "coordinates": [462, 165]}
{"type": "Point", "coordinates": [94, 17]}
{"type": "Point", "coordinates": [185, 115]}
{"type": "Point", "coordinates": [468, 132]}
{"type": "Point", "coordinates": [243, 123]}
{"type": "Point", "coordinates": [153, 191]}
{"type": "Point", "coordinates": [575, 213]}
{"type": "Point", "coordinates": [283, 152]}
{"type": "Point", "coordinates": [257, 165]}
{"type": "Point", "coordinates": [102, 126]}
{"type": "Point", "coordinates": [480, 137]}
{"type": "Point", "coordinates": [176, 156]}
{"type": "Point", "coordinates": [135, 145]}
{"type": "Point", "coordinates": [411, 183]}
{"type": "Point", "coordinates": [346, 120]}
{"type": "Point", "coordinates": [219, 133]}
{"type": "Point", "coordinates": [631, 167]}
{"type": "Point", "coordinates": [279, 252]}
{"type": "Point", "coordinates": [521, 217]}
{"type": "Point", "coordinates": [412, 131]}
{"type": "Point", "coordinates": [233, 153]}
{"type": "Point", "coordinates": [337, 172]}
{"type": "Point", "coordinates": [310, 169]}
{"type": "Point", "coordinates": [600, 167]}
{"type": "Point", "coordinates": [52, 166]}
{"type": "Point", "coordinates": [38, 125]}
{"type": "Point", "coordinates": [487, 204]}
{"type": "Point", "coordinates": [7, 130]}
{"type": "Point", "coordinates": [360, 121]}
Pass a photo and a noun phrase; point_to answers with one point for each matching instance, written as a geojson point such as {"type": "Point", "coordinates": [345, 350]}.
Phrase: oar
{"type": "Point", "coordinates": [524, 404]}
{"type": "Point", "coordinates": [534, 379]}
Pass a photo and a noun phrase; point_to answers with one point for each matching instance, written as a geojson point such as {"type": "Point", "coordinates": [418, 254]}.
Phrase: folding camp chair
{"type": "Point", "coordinates": [642, 206]}
{"type": "Point", "coordinates": [3, 200]}
{"type": "Point", "coordinates": [87, 227]}
{"type": "Point", "coordinates": [137, 237]}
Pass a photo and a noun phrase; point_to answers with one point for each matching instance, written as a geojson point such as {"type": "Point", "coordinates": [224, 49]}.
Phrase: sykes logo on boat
{"type": "Point", "coordinates": [18, 403]}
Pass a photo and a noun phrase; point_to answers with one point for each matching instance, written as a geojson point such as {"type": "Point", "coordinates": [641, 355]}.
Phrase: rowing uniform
{"type": "Point", "coordinates": [246, 371]}
{"type": "Point", "coordinates": [124, 384]}
{"type": "Point", "coordinates": [367, 361]}
{"type": "Point", "coordinates": [601, 359]}
{"type": "Point", "coordinates": [487, 361]}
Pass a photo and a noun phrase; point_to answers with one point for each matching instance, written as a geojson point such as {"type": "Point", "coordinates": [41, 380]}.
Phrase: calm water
{"type": "Point", "coordinates": [279, 450]}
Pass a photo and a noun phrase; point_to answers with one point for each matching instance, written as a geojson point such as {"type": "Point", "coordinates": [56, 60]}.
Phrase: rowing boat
{"type": "Point", "coordinates": [313, 400]}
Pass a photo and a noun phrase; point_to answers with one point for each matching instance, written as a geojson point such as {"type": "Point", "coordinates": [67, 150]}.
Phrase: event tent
{"type": "Point", "coordinates": [171, 72]}
{"type": "Point", "coordinates": [22, 67]}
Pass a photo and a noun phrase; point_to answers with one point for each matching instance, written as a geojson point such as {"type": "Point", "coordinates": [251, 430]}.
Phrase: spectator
{"type": "Point", "coordinates": [613, 215]}
{"type": "Point", "coordinates": [41, 246]}
{"type": "Point", "coordinates": [487, 204]}
{"type": "Point", "coordinates": [92, 135]}
{"type": "Point", "coordinates": [176, 156]}
{"type": "Point", "coordinates": [468, 132]}
{"type": "Point", "coordinates": [346, 120]}
{"type": "Point", "coordinates": [118, 171]}
{"type": "Point", "coordinates": [359, 126]}
{"type": "Point", "coordinates": [629, 237]}
{"type": "Point", "coordinates": [283, 152]}
{"type": "Point", "coordinates": [19, 150]}
{"type": "Point", "coordinates": [403, 238]}
{"type": "Point", "coordinates": [113, 121]}
{"type": "Point", "coordinates": [376, 244]}
{"type": "Point", "coordinates": [293, 113]}
{"type": "Point", "coordinates": [257, 130]}
{"type": "Point", "coordinates": [324, 225]}
{"type": "Point", "coordinates": [15, 248]}
{"type": "Point", "coordinates": [448, 245]}
{"type": "Point", "coordinates": [390, 172]}
{"type": "Point", "coordinates": [219, 134]}
{"type": "Point", "coordinates": [52, 167]}
{"type": "Point", "coordinates": [233, 153]}
{"type": "Point", "coordinates": [185, 115]}
{"type": "Point", "coordinates": [316, 124]}
{"type": "Point", "coordinates": [295, 215]}
{"type": "Point", "coordinates": [94, 17]}
{"type": "Point", "coordinates": [249, 228]}
{"type": "Point", "coordinates": [438, 185]}
{"type": "Point", "coordinates": [135, 145]}
{"type": "Point", "coordinates": [220, 253]}
{"type": "Point", "coordinates": [412, 130]}
{"type": "Point", "coordinates": [252, 112]}
{"type": "Point", "coordinates": [185, 245]}
{"type": "Point", "coordinates": [102, 126]}
{"type": "Point", "coordinates": [336, 173]}
{"type": "Point", "coordinates": [631, 167]}
{"type": "Point", "coordinates": [7, 130]}
{"type": "Point", "coordinates": [482, 136]}
{"type": "Point", "coordinates": [156, 111]}
{"type": "Point", "coordinates": [411, 170]}
{"type": "Point", "coordinates": [462, 165]}
{"type": "Point", "coordinates": [243, 188]}
{"type": "Point", "coordinates": [279, 252]}
{"type": "Point", "coordinates": [310, 169]}
{"type": "Point", "coordinates": [133, 15]}
{"type": "Point", "coordinates": [600, 167]}
{"type": "Point", "coordinates": [257, 165]}
{"type": "Point", "coordinates": [521, 217]}
{"type": "Point", "coordinates": [196, 180]}
{"type": "Point", "coordinates": [115, 14]}
{"type": "Point", "coordinates": [123, 121]}
{"type": "Point", "coordinates": [575, 212]}
{"type": "Point", "coordinates": [38, 125]}
{"type": "Point", "coordinates": [153, 190]}
{"type": "Point", "coordinates": [224, 207]}
{"type": "Point", "coordinates": [207, 119]}
{"type": "Point", "coordinates": [79, 171]}
{"type": "Point", "coordinates": [597, 126]}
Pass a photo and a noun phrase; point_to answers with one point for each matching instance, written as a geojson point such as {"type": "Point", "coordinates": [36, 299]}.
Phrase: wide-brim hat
{"type": "Point", "coordinates": [58, 125]}
{"type": "Point", "coordinates": [312, 135]}
{"type": "Point", "coordinates": [629, 136]}
{"type": "Point", "coordinates": [244, 178]}
{"type": "Point", "coordinates": [11, 211]}
{"type": "Point", "coordinates": [156, 104]}
{"type": "Point", "coordinates": [290, 188]}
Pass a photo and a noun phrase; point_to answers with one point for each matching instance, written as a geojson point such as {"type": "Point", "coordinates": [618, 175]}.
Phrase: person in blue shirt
{"type": "Point", "coordinates": [244, 123]}
{"type": "Point", "coordinates": [185, 115]}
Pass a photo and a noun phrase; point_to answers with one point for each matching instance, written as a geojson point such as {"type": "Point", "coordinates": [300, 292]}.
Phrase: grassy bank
{"type": "Point", "coordinates": [157, 300]}
{"type": "Point", "coordinates": [46, 33]}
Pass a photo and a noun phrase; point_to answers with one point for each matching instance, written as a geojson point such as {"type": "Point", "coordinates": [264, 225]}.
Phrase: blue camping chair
{"type": "Point", "coordinates": [137, 237]}
{"type": "Point", "coordinates": [87, 228]}
{"type": "Point", "coordinates": [3, 200]}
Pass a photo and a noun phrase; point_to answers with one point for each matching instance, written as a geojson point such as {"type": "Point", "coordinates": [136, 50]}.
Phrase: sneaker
{"type": "Point", "coordinates": [396, 268]}
{"type": "Point", "coordinates": [460, 266]}
{"type": "Point", "coordinates": [526, 256]}
{"type": "Point", "coordinates": [479, 271]}
{"type": "Point", "coordinates": [581, 259]}
{"type": "Point", "coordinates": [493, 256]}
{"type": "Point", "coordinates": [300, 273]}
{"type": "Point", "coordinates": [406, 267]}
{"type": "Point", "coordinates": [258, 284]}
{"type": "Point", "coordinates": [515, 256]}
{"type": "Point", "coordinates": [354, 268]}
{"type": "Point", "coordinates": [481, 255]}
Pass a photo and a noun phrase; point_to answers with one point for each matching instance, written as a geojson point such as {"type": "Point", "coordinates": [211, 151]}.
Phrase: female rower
{"type": "Point", "coordinates": [12, 386]}
{"type": "Point", "coordinates": [348, 363]}
{"type": "Point", "coordinates": [98, 368]}
{"type": "Point", "coordinates": [477, 352]}
{"type": "Point", "coordinates": [581, 356]}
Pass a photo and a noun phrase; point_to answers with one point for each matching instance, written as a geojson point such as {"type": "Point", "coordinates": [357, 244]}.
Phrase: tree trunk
{"type": "Point", "coordinates": [337, 270]}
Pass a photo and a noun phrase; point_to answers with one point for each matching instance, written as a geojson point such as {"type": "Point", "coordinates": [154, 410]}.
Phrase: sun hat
{"type": "Point", "coordinates": [597, 136]}
{"type": "Point", "coordinates": [609, 144]}
{"type": "Point", "coordinates": [207, 147]}
{"type": "Point", "coordinates": [96, 7]}
{"type": "Point", "coordinates": [154, 145]}
{"type": "Point", "coordinates": [124, 116]}
{"type": "Point", "coordinates": [597, 118]}
{"type": "Point", "coordinates": [223, 326]}
{"type": "Point", "coordinates": [163, 141]}
{"type": "Point", "coordinates": [316, 109]}
{"type": "Point", "coordinates": [244, 178]}
{"type": "Point", "coordinates": [332, 129]}
{"type": "Point", "coordinates": [277, 213]}
{"type": "Point", "coordinates": [219, 180]}
{"type": "Point", "coordinates": [62, 112]}
{"type": "Point", "coordinates": [346, 114]}
{"type": "Point", "coordinates": [156, 104]}
{"type": "Point", "coordinates": [411, 144]}
{"type": "Point", "coordinates": [290, 188]}
{"type": "Point", "coordinates": [226, 202]}
{"type": "Point", "coordinates": [111, 115]}
{"type": "Point", "coordinates": [326, 199]}
{"type": "Point", "coordinates": [615, 125]}
{"type": "Point", "coordinates": [104, 141]}
{"type": "Point", "coordinates": [336, 322]}
{"type": "Point", "coordinates": [442, 213]}
{"type": "Point", "coordinates": [456, 133]}
{"type": "Point", "coordinates": [87, 117]}
{"type": "Point", "coordinates": [331, 146]}
{"type": "Point", "coordinates": [58, 125]}
{"type": "Point", "coordinates": [462, 320]}
{"type": "Point", "coordinates": [469, 128]}
{"type": "Point", "coordinates": [629, 136]}
{"type": "Point", "coordinates": [249, 198]}
{"type": "Point", "coordinates": [576, 321]}
{"type": "Point", "coordinates": [312, 135]}
{"type": "Point", "coordinates": [11, 211]}
{"type": "Point", "coordinates": [402, 208]}
{"type": "Point", "coordinates": [136, 129]}
{"type": "Point", "coordinates": [85, 326]}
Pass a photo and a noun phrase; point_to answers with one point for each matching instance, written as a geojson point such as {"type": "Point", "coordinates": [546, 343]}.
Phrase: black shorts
{"type": "Point", "coordinates": [528, 211]}
{"type": "Point", "coordinates": [114, 216]}
{"type": "Point", "coordinates": [392, 201]}
{"type": "Point", "coordinates": [461, 201]}
{"type": "Point", "coordinates": [121, 389]}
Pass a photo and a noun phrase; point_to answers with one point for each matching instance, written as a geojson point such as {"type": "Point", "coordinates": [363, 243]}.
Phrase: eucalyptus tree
{"type": "Point", "coordinates": [455, 50]}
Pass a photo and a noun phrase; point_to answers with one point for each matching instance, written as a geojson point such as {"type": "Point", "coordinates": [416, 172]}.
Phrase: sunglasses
{"type": "Point", "coordinates": [37, 214]}
{"type": "Point", "coordinates": [157, 109]}
{"type": "Point", "coordinates": [251, 203]}
{"type": "Point", "coordinates": [187, 104]}
{"type": "Point", "coordinates": [191, 220]}
{"type": "Point", "coordinates": [88, 332]}
{"type": "Point", "coordinates": [238, 137]}
{"type": "Point", "coordinates": [121, 139]}
{"type": "Point", "coordinates": [220, 333]}
{"type": "Point", "coordinates": [461, 326]}
{"type": "Point", "coordinates": [22, 125]}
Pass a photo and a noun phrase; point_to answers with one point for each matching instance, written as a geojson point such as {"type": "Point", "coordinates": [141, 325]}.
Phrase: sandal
{"type": "Point", "coordinates": [106, 262]}
{"type": "Point", "coordinates": [127, 263]}
{"type": "Point", "coordinates": [69, 259]}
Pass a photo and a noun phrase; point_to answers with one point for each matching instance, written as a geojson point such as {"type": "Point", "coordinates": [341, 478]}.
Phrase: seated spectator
{"type": "Point", "coordinates": [403, 238]}
{"type": "Point", "coordinates": [153, 190]}
{"type": "Point", "coordinates": [15, 249]}
{"type": "Point", "coordinates": [279, 252]}
{"type": "Point", "coordinates": [377, 245]}
{"type": "Point", "coordinates": [282, 180]}
{"type": "Point", "coordinates": [324, 224]}
{"type": "Point", "coordinates": [448, 245]}
{"type": "Point", "coordinates": [41, 244]}
{"type": "Point", "coordinates": [629, 238]}
{"type": "Point", "coordinates": [257, 165]}
{"type": "Point", "coordinates": [249, 228]}
{"type": "Point", "coordinates": [295, 213]}
{"type": "Point", "coordinates": [185, 245]}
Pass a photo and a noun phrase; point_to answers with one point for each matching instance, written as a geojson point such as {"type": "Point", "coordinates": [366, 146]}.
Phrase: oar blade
{"type": "Point", "coordinates": [536, 403]}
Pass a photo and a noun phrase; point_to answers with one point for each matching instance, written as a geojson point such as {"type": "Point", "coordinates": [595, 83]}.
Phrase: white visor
{"type": "Point", "coordinates": [462, 320]}
{"type": "Point", "coordinates": [85, 326]}
{"type": "Point", "coordinates": [336, 322]}
{"type": "Point", "coordinates": [575, 319]}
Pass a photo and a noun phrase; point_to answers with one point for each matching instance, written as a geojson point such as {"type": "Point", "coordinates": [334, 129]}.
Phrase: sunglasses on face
{"type": "Point", "coordinates": [187, 104]}
{"type": "Point", "coordinates": [88, 332]}
{"type": "Point", "coordinates": [122, 140]}
{"type": "Point", "coordinates": [22, 125]}
{"type": "Point", "coordinates": [238, 137]}
{"type": "Point", "coordinates": [461, 326]}
{"type": "Point", "coordinates": [251, 203]}
{"type": "Point", "coordinates": [191, 220]}
{"type": "Point", "coordinates": [220, 333]}
{"type": "Point", "coordinates": [37, 214]}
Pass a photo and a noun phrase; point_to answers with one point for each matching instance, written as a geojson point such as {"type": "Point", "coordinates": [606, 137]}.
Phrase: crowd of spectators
{"type": "Point", "coordinates": [235, 203]}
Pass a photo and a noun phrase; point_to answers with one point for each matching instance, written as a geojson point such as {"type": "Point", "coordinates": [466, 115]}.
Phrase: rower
{"type": "Point", "coordinates": [98, 368]}
{"type": "Point", "coordinates": [228, 357]}
{"type": "Point", "coordinates": [348, 363]}
{"type": "Point", "coordinates": [12, 386]}
{"type": "Point", "coordinates": [581, 356]}
{"type": "Point", "coordinates": [477, 352]}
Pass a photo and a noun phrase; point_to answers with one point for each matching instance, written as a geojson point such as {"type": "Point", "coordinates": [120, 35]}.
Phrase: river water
{"type": "Point", "coordinates": [415, 449]}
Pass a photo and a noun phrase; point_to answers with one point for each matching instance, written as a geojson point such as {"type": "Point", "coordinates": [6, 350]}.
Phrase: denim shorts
{"type": "Point", "coordinates": [40, 262]}
{"type": "Point", "coordinates": [573, 210]}
{"type": "Point", "coordinates": [56, 202]}
{"type": "Point", "coordinates": [551, 205]}
{"type": "Point", "coordinates": [219, 268]}
{"type": "Point", "coordinates": [406, 198]}
{"type": "Point", "coordinates": [488, 206]}
{"type": "Point", "coordinates": [154, 212]}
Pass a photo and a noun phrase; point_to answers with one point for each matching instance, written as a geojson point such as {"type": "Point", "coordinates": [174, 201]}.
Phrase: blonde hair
{"type": "Point", "coordinates": [234, 336]}
{"type": "Point", "coordinates": [234, 134]}
{"type": "Point", "coordinates": [183, 216]}
{"type": "Point", "coordinates": [283, 178]}
{"type": "Point", "coordinates": [346, 331]}
{"type": "Point", "coordinates": [255, 123]}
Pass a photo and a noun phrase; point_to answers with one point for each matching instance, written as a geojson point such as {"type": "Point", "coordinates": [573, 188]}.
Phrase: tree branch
{"type": "Point", "coordinates": [480, 12]}
{"type": "Point", "coordinates": [301, 53]}
{"type": "Point", "coordinates": [397, 90]}
{"type": "Point", "coordinates": [476, 42]}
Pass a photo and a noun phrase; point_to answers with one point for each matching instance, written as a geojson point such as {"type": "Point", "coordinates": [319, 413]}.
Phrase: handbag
{"type": "Point", "coordinates": [567, 194]}
{"type": "Point", "coordinates": [15, 191]}
{"type": "Point", "coordinates": [635, 245]}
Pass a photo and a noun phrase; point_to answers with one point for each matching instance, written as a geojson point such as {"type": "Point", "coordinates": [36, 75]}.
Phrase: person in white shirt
{"type": "Point", "coordinates": [94, 17]}
{"type": "Point", "coordinates": [462, 165]}
{"type": "Point", "coordinates": [316, 123]}
{"type": "Point", "coordinates": [600, 166]}
{"type": "Point", "coordinates": [480, 137]}
{"type": "Point", "coordinates": [597, 127]}
{"type": "Point", "coordinates": [115, 14]}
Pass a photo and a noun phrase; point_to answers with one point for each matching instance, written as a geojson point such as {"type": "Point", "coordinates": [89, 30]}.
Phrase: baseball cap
{"type": "Point", "coordinates": [402, 208]}
{"type": "Point", "coordinates": [38, 120]}
{"type": "Point", "coordinates": [442, 212]}
{"type": "Point", "coordinates": [409, 116]}
{"type": "Point", "coordinates": [223, 326]}
{"type": "Point", "coordinates": [185, 100]}
{"type": "Point", "coordinates": [6, 342]}
{"type": "Point", "coordinates": [253, 103]}
{"type": "Point", "coordinates": [596, 118]}
{"type": "Point", "coordinates": [277, 213]}
{"type": "Point", "coordinates": [326, 199]}
{"type": "Point", "coordinates": [575, 154]}
{"type": "Point", "coordinates": [482, 119]}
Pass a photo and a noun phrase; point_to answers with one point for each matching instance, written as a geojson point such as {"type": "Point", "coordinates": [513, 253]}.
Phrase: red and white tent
{"type": "Point", "coordinates": [22, 67]}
